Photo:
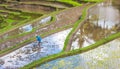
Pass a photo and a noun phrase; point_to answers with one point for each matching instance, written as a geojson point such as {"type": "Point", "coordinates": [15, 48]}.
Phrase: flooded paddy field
{"type": "Point", "coordinates": [104, 57]}
{"type": "Point", "coordinates": [21, 21]}
{"type": "Point", "coordinates": [50, 45]}
{"type": "Point", "coordinates": [100, 24]}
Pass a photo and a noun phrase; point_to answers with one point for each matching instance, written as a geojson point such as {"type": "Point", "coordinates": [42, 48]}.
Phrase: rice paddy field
{"type": "Point", "coordinates": [73, 34]}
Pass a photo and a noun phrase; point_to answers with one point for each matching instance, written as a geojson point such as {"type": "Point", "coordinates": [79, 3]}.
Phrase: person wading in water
{"type": "Point", "coordinates": [38, 38]}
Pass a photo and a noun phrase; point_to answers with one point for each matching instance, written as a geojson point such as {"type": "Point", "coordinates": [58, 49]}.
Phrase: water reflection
{"type": "Point", "coordinates": [103, 57]}
{"type": "Point", "coordinates": [116, 3]}
{"type": "Point", "coordinates": [103, 20]}
{"type": "Point", "coordinates": [50, 45]}
{"type": "Point", "coordinates": [45, 20]}
{"type": "Point", "coordinates": [26, 28]}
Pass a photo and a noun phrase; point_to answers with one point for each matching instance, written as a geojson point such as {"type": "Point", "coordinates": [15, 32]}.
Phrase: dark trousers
{"type": "Point", "coordinates": [39, 43]}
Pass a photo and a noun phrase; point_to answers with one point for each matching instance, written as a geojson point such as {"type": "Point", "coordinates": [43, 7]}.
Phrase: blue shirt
{"type": "Point", "coordinates": [38, 38]}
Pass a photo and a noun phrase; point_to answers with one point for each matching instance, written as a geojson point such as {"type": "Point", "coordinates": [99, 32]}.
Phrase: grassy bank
{"type": "Point", "coordinates": [73, 3]}
{"type": "Point", "coordinates": [70, 2]}
{"type": "Point", "coordinates": [92, 0]}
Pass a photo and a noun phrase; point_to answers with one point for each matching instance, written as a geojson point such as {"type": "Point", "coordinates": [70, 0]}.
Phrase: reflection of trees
{"type": "Point", "coordinates": [91, 30]}
{"type": "Point", "coordinates": [116, 28]}
{"type": "Point", "coordinates": [116, 3]}
{"type": "Point", "coordinates": [94, 32]}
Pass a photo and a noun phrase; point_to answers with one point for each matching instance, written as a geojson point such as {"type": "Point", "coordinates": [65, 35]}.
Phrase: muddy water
{"type": "Point", "coordinates": [50, 45]}
{"type": "Point", "coordinates": [103, 20]}
{"type": "Point", "coordinates": [104, 57]}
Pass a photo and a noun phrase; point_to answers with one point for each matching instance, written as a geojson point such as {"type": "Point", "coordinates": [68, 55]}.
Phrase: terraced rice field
{"type": "Point", "coordinates": [76, 34]}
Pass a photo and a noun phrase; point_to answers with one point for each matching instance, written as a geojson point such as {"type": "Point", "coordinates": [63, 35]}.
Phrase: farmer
{"type": "Point", "coordinates": [38, 38]}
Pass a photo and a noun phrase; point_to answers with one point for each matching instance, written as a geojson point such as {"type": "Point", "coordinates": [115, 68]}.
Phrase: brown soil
{"type": "Point", "coordinates": [34, 8]}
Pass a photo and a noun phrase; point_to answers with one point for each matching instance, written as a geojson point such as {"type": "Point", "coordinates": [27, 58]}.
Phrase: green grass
{"type": "Point", "coordinates": [10, 12]}
{"type": "Point", "coordinates": [3, 5]}
{"type": "Point", "coordinates": [21, 19]}
{"type": "Point", "coordinates": [70, 2]}
{"type": "Point", "coordinates": [93, 0]}
{"type": "Point", "coordinates": [10, 20]}
{"type": "Point", "coordinates": [11, 26]}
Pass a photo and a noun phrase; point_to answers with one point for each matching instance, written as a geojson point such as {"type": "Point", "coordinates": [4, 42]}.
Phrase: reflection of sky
{"type": "Point", "coordinates": [27, 28]}
{"type": "Point", "coordinates": [87, 41]}
{"type": "Point", "coordinates": [65, 63]}
{"type": "Point", "coordinates": [103, 57]}
{"type": "Point", "coordinates": [105, 14]}
{"type": "Point", "coordinates": [107, 24]}
{"type": "Point", "coordinates": [45, 20]}
{"type": "Point", "coordinates": [51, 45]}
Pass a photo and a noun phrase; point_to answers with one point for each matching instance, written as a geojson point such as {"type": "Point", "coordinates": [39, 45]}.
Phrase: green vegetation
{"type": "Point", "coordinates": [70, 2]}
{"type": "Point", "coordinates": [14, 20]}
{"type": "Point", "coordinates": [10, 12]}
{"type": "Point", "coordinates": [24, 17]}
{"type": "Point", "coordinates": [92, 0]}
